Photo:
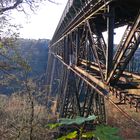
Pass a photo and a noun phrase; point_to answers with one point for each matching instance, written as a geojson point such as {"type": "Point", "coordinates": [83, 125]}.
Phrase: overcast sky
{"type": "Point", "coordinates": [44, 22]}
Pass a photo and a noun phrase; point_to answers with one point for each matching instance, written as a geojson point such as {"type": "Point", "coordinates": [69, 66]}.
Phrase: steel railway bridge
{"type": "Point", "coordinates": [88, 75]}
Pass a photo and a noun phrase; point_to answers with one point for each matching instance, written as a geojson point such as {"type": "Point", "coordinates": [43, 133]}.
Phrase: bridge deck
{"type": "Point", "coordinates": [75, 13]}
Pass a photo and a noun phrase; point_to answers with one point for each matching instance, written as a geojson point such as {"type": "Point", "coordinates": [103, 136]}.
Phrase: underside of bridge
{"type": "Point", "coordinates": [89, 75]}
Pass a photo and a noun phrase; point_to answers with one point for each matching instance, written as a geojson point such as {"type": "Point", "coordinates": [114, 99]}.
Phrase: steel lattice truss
{"type": "Point", "coordinates": [89, 71]}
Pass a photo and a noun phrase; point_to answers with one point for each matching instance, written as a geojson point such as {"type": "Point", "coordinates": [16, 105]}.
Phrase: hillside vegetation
{"type": "Point", "coordinates": [27, 55]}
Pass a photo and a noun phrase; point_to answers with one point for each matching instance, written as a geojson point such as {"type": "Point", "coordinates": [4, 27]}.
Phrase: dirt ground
{"type": "Point", "coordinates": [129, 124]}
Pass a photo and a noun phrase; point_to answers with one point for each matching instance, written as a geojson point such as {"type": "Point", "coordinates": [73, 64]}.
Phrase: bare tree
{"type": "Point", "coordinates": [22, 117]}
{"type": "Point", "coordinates": [6, 5]}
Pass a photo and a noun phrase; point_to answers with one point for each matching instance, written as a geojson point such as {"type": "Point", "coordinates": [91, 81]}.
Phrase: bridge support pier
{"type": "Point", "coordinates": [90, 72]}
{"type": "Point", "coordinates": [110, 39]}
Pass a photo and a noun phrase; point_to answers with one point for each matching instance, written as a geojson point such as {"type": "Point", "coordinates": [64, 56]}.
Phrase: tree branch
{"type": "Point", "coordinates": [2, 10]}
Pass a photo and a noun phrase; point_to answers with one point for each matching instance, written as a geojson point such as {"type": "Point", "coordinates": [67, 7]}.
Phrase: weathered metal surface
{"type": "Point", "coordinates": [92, 74]}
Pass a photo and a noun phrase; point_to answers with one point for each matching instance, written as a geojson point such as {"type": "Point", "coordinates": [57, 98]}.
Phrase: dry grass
{"type": "Point", "coordinates": [128, 128]}
{"type": "Point", "coordinates": [15, 118]}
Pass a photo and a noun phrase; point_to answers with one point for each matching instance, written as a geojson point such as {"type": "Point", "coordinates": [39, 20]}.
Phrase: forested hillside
{"type": "Point", "coordinates": [134, 64]}
{"type": "Point", "coordinates": [33, 53]}
{"type": "Point", "coordinates": [36, 53]}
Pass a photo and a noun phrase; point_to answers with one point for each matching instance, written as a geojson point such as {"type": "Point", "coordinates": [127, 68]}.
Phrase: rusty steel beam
{"type": "Point", "coordinates": [110, 39]}
{"type": "Point", "coordinates": [86, 66]}
{"type": "Point", "coordinates": [97, 56]}
{"type": "Point", "coordinates": [90, 77]}
{"type": "Point", "coordinates": [94, 66]}
{"type": "Point", "coordinates": [78, 21]}
{"type": "Point", "coordinates": [128, 49]}
{"type": "Point", "coordinates": [91, 83]}
{"type": "Point", "coordinates": [132, 74]}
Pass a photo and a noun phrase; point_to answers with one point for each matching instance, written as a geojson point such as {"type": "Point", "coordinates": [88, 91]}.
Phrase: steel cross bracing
{"type": "Point", "coordinates": [91, 71]}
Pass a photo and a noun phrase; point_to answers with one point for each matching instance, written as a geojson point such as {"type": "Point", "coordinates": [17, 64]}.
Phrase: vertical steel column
{"type": "Point", "coordinates": [110, 41]}
{"type": "Point", "coordinates": [70, 48]}
{"type": "Point", "coordinates": [63, 107]}
{"type": "Point", "coordinates": [66, 50]}
{"type": "Point", "coordinates": [77, 44]}
{"type": "Point", "coordinates": [50, 75]}
{"type": "Point", "coordinates": [74, 89]}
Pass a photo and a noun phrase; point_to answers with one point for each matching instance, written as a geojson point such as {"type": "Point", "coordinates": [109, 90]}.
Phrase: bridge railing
{"type": "Point", "coordinates": [66, 10]}
{"type": "Point", "coordinates": [72, 9]}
